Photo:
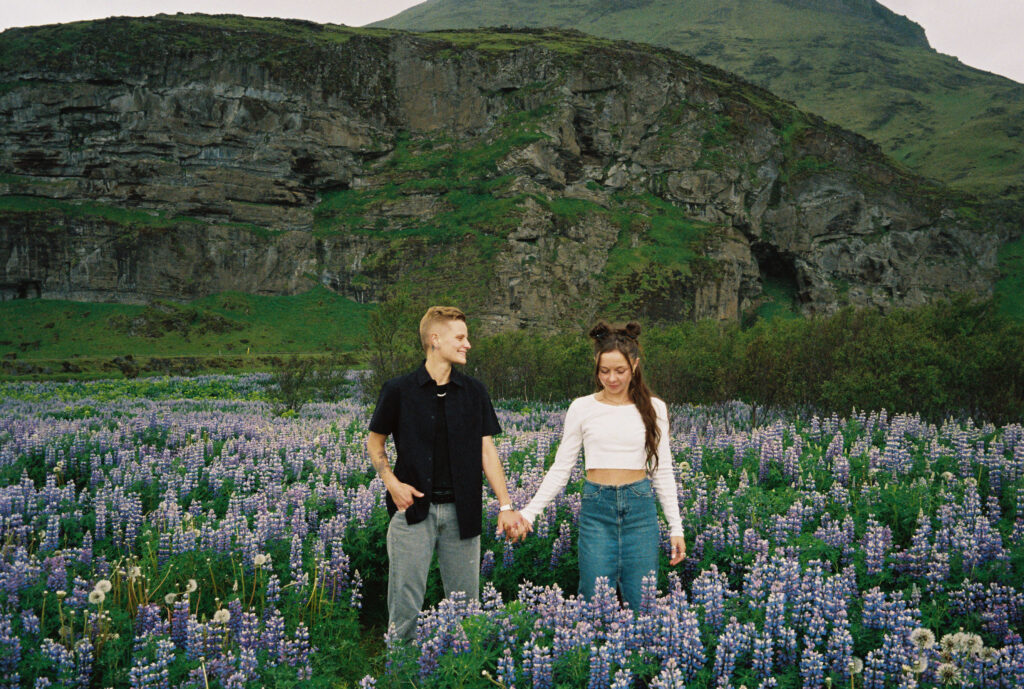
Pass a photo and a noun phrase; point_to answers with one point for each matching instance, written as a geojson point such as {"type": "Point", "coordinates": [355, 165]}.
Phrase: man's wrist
{"type": "Point", "coordinates": [507, 507]}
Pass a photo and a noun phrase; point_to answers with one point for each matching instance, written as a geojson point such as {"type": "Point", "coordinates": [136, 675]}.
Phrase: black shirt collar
{"type": "Point", "coordinates": [423, 377]}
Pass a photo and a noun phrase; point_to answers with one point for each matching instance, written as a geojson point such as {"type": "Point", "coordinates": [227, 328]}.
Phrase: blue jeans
{"type": "Point", "coordinates": [618, 537]}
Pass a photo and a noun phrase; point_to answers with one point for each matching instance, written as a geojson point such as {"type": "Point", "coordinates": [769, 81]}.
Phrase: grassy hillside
{"type": "Point", "coordinates": [222, 325]}
{"type": "Point", "coordinates": [852, 61]}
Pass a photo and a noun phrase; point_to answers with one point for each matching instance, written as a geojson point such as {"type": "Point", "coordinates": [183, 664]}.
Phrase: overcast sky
{"type": "Point", "coordinates": [983, 33]}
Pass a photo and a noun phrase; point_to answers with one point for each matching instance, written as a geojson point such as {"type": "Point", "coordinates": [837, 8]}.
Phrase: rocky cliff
{"type": "Point", "coordinates": [538, 177]}
{"type": "Point", "coordinates": [854, 62]}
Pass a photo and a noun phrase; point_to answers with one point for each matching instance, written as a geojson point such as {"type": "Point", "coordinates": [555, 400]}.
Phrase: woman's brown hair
{"type": "Point", "coordinates": [625, 340]}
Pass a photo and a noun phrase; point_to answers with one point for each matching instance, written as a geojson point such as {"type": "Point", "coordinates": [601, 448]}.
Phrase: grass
{"type": "Point", "coordinates": [68, 209]}
{"type": "Point", "coordinates": [1010, 288]}
{"type": "Point", "coordinates": [231, 323]}
{"type": "Point", "coordinates": [491, 42]}
{"type": "Point", "coordinates": [110, 41]}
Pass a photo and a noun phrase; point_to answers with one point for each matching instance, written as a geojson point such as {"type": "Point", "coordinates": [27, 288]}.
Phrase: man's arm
{"type": "Point", "coordinates": [510, 523]}
{"type": "Point", "coordinates": [401, 493]}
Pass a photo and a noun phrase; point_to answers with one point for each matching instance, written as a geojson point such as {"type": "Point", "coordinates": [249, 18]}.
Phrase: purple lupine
{"type": "Point", "coordinates": [486, 564]}
{"type": "Point", "coordinates": [839, 460]}
{"type": "Point", "coordinates": [786, 645]}
{"type": "Point", "coordinates": [775, 610]}
{"type": "Point", "coordinates": [295, 562]}
{"type": "Point", "coordinates": [273, 630]}
{"type": "Point", "coordinates": [561, 545]}
{"type": "Point", "coordinates": [541, 667]}
{"type": "Point", "coordinates": [247, 630]}
{"type": "Point", "coordinates": [30, 623]}
{"type": "Point", "coordinates": [709, 593]}
{"type": "Point", "coordinates": [300, 650]}
{"type": "Point", "coordinates": [273, 589]}
{"type": "Point", "coordinates": [763, 652]}
{"type": "Point", "coordinates": [179, 621]}
{"type": "Point", "coordinates": [51, 539]}
{"type": "Point", "coordinates": [874, 671]}
{"type": "Point", "coordinates": [62, 659]}
{"type": "Point", "coordinates": [507, 669]}
{"type": "Point", "coordinates": [623, 679]}
{"type": "Point", "coordinates": [600, 669]}
{"type": "Point", "coordinates": [877, 541]}
{"type": "Point", "coordinates": [58, 573]}
{"type": "Point", "coordinates": [356, 596]}
{"type": "Point", "coordinates": [10, 652]}
{"type": "Point", "coordinates": [812, 669]}
{"type": "Point", "coordinates": [839, 647]}
{"type": "Point", "coordinates": [731, 643]}
{"type": "Point", "coordinates": [669, 677]}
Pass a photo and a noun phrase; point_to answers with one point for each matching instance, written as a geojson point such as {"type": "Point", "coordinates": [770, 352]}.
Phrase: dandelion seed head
{"type": "Point", "coordinates": [922, 638]}
{"type": "Point", "coordinates": [947, 672]}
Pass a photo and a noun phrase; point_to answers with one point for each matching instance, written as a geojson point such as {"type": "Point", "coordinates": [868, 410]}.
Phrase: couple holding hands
{"type": "Point", "coordinates": [443, 424]}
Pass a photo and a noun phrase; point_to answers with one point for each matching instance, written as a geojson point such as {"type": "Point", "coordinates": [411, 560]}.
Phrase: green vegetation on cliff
{"type": "Point", "coordinates": [852, 61]}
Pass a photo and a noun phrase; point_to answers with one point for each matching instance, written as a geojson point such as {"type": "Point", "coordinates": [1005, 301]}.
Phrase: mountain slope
{"type": "Point", "coordinates": [854, 62]}
{"type": "Point", "coordinates": [537, 177]}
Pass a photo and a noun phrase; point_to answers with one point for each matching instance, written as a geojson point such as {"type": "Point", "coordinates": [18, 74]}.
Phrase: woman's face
{"type": "Point", "coordinates": [614, 372]}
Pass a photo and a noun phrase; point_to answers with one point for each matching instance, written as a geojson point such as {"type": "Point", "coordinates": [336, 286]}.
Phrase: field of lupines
{"type": "Point", "coordinates": [176, 533]}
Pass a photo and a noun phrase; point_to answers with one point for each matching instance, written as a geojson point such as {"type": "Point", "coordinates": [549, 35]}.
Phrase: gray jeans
{"type": "Point", "coordinates": [410, 551]}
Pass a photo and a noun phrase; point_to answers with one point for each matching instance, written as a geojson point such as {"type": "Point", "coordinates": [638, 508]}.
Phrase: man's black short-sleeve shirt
{"type": "Point", "coordinates": [406, 411]}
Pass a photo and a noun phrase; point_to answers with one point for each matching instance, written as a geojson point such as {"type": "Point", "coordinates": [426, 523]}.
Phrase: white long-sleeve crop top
{"type": "Point", "coordinates": [612, 437]}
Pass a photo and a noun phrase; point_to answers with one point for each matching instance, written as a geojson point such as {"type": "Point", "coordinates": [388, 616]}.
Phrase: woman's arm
{"type": "Point", "coordinates": [664, 478]}
{"type": "Point", "coordinates": [565, 458]}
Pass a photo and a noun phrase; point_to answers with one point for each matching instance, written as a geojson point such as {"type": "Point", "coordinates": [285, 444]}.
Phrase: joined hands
{"type": "Point", "coordinates": [513, 525]}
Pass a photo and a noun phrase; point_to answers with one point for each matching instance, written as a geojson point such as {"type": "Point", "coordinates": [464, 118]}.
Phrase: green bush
{"type": "Point", "coordinates": [299, 380]}
{"type": "Point", "coordinates": [959, 357]}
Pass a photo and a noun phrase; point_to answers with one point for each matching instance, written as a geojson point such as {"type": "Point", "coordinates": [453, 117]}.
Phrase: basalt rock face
{"type": "Point", "coordinates": [538, 177]}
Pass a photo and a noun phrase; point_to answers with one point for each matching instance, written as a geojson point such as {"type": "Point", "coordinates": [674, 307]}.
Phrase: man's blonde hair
{"type": "Point", "coordinates": [435, 315]}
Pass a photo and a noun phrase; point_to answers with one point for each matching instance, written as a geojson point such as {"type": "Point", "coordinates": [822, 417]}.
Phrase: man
{"type": "Point", "coordinates": [442, 422]}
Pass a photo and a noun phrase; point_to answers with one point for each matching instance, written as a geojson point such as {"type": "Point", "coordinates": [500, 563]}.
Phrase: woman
{"type": "Point", "coordinates": [624, 431]}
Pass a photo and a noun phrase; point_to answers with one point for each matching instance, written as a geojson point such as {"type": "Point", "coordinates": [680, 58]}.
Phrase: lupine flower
{"type": "Point", "coordinates": [507, 669]}
{"type": "Point", "coordinates": [670, 677]}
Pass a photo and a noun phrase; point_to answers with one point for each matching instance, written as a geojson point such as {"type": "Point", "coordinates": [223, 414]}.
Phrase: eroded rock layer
{"type": "Point", "coordinates": [539, 177]}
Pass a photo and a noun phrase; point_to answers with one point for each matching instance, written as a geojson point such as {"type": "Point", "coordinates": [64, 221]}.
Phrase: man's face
{"type": "Point", "coordinates": [452, 341]}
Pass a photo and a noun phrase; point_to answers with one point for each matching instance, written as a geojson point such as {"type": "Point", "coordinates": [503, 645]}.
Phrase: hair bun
{"type": "Point", "coordinates": [632, 329]}
{"type": "Point", "coordinates": [600, 331]}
